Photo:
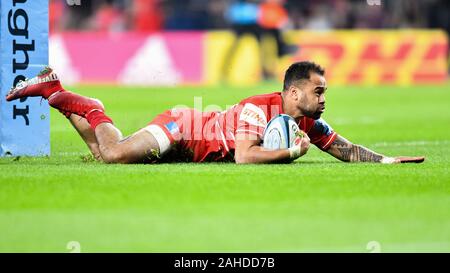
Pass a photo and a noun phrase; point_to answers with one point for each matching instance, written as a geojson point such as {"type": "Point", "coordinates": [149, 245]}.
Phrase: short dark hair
{"type": "Point", "coordinates": [300, 71]}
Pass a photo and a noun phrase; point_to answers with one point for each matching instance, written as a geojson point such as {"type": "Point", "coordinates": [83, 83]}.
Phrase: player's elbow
{"type": "Point", "coordinates": [239, 158]}
{"type": "Point", "coordinates": [244, 158]}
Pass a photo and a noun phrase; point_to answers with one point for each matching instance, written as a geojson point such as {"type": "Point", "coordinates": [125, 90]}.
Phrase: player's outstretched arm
{"type": "Point", "coordinates": [346, 151]}
{"type": "Point", "coordinates": [249, 151]}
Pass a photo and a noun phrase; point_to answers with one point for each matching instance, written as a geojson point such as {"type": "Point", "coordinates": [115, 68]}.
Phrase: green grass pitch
{"type": "Point", "coordinates": [315, 204]}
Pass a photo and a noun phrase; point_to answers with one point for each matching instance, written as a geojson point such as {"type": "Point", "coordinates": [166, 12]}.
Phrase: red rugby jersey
{"type": "Point", "coordinates": [251, 116]}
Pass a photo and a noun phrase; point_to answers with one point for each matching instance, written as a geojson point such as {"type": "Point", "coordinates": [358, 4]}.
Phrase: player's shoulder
{"type": "Point", "coordinates": [318, 125]}
{"type": "Point", "coordinates": [263, 99]}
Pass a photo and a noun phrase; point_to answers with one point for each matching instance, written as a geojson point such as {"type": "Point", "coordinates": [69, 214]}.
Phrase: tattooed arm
{"type": "Point", "coordinates": [346, 151]}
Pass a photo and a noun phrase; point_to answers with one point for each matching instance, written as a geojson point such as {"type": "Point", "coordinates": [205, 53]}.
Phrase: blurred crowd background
{"type": "Point", "coordinates": [246, 41]}
{"type": "Point", "coordinates": [157, 15]}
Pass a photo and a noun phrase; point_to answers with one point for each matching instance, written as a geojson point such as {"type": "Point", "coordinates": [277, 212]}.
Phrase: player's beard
{"type": "Point", "coordinates": [311, 113]}
{"type": "Point", "coordinates": [310, 110]}
{"type": "Point", "coordinates": [315, 115]}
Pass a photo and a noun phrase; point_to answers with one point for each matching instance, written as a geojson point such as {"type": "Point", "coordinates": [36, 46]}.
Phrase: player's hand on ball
{"type": "Point", "coordinates": [304, 144]}
{"type": "Point", "coordinates": [301, 145]}
{"type": "Point", "coordinates": [403, 159]}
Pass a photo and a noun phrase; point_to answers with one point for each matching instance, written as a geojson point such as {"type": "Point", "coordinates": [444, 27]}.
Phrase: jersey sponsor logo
{"type": "Point", "coordinates": [172, 127]}
{"type": "Point", "coordinates": [253, 115]}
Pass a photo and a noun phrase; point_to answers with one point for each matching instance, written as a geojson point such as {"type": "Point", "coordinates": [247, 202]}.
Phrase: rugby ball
{"type": "Point", "coordinates": [281, 133]}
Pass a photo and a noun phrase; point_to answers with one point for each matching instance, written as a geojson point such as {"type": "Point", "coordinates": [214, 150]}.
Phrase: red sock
{"type": "Point", "coordinates": [96, 117]}
{"type": "Point", "coordinates": [67, 102]}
